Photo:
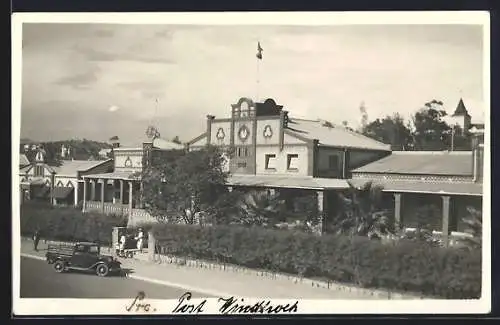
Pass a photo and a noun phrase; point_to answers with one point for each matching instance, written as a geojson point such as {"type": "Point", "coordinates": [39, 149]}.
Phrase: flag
{"type": "Point", "coordinates": [259, 51]}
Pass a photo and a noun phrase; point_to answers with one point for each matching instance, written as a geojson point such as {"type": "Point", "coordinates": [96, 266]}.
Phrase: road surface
{"type": "Point", "coordinates": [39, 280]}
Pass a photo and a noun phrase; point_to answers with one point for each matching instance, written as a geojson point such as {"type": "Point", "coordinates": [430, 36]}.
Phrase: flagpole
{"type": "Point", "coordinates": [259, 58]}
{"type": "Point", "coordinates": [258, 80]}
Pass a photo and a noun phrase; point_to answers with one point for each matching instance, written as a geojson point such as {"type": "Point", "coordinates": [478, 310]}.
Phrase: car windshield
{"type": "Point", "coordinates": [94, 249]}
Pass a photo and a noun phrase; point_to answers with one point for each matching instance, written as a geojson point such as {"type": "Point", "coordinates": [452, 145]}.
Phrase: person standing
{"type": "Point", "coordinates": [139, 238]}
{"type": "Point", "coordinates": [36, 239]}
{"type": "Point", "coordinates": [123, 240]}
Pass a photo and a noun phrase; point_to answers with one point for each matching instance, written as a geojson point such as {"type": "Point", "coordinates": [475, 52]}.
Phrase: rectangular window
{"type": "Point", "coordinates": [245, 152]}
{"type": "Point", "coordinates": [241, 164]}
{"type": "Point", "coordinates": [238, 152]}
{"type": "Point", "coordinates": [333, 162]}
{"type": "Point", "coordinates": [271, 162]}
{"type": "Point", "coordinates": [39, 171]}
{"type": "Point", "coordinates": [293, 162]}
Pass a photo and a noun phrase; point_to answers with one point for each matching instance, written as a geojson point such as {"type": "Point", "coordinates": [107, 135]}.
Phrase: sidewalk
{"type": "Point", "coordinates": [218, 282]}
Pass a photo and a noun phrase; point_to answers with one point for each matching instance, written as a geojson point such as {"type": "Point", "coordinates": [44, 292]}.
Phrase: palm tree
{"type": "Point", "coordinates": [361, 213]}
{"type": "Point", "coordinates": [262, 208]}
{"type": "Point", "coordinates": [474, 226]}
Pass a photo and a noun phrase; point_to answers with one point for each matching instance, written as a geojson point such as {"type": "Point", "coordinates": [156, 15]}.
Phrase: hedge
{"type": "Point", "coordinates": [68, 223]}
{"type": "Point", "coordinates": [405, 267]}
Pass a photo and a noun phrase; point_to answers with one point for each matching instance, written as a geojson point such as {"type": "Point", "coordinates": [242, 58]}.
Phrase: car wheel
{"type": "Point", "coordinates": [59, 266]}
{"type": "Point", "coordinates": [102, 270]}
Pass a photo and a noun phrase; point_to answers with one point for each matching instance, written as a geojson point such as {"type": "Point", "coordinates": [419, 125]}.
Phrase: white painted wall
{"type": "Point", "coordinates": [281, 160]}
{"type": "Point", "coordinates": [226, 131]}
{"type": "Point", "coordinates": [134, 156]}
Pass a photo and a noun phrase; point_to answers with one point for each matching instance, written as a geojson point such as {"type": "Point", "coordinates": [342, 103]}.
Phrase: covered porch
{"type": "Point", "coordinates": [322, 190]}
{"type": "Point", "coordinates": [114, 193]}
{"type": "Point", "coordinates": [447, 203]}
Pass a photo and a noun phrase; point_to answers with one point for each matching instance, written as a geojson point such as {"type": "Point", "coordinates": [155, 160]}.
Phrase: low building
{"type": "Point", "coordinates": [447, 181]}
{"type": "Point", "coordinates": [119, 191]}
{"type": "Point", "coordinates": [63, 184]}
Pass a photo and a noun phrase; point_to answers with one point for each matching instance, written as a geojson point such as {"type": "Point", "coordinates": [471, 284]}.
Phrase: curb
{"type": "Point", "coordinates": [159, 282]}
{"type": "Point", "coordinates": [161, 260]}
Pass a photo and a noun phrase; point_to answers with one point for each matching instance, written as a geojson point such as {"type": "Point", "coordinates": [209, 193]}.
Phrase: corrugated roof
{"type": "Point", "coordinates": [166, 145]}
{"type": "Point", "coordinates": [283, 181]}
{"type": "Point", "coordinates": [125, 175]}
{"type": "Point", "coordinates": [23, 160]}
{"type": "Point", "coordinates": [457, 188]}
{"type": "Point", "coordinates": [329, 134]}
{"type": "Point", "coordinates": [457, 163]}
{"type": "Point", "coordinates": [72, 167]}
{"type": "Point", "coordinates": [157, 143]}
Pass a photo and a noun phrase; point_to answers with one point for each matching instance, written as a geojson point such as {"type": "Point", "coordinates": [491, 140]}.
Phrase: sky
{"type": "Point", "coordinates": [97, 80]}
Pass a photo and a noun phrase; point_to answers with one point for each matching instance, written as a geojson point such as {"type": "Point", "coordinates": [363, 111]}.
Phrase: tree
{"type": "Point", "coordinates": [473, 226]}
{"type": "Point", "coordinates": [185, 184]}
{"type": "Point", "coordinates": [362, 213]}
{"type": "Point", "coordinates": [262, 208]}
{"type": "Point", "coordinates": [364, 116]}
{"type": "Point", "coordinates": [391, 130]}
{"type": "Point", "coordinates": [430, 131]}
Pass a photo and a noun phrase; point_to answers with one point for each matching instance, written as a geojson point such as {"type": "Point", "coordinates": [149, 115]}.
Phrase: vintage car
{"type": "Point", "coordinates": [82, 256]}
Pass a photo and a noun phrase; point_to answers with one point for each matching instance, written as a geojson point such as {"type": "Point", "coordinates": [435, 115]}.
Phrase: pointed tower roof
{"type": "Point", "coordinates": [460, 110]}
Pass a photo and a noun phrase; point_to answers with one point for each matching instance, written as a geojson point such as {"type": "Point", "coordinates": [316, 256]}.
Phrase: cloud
{"type": "Point", "coordinates": [80, 80]}
{"type": "Point", "coordinates": [315, 72]}
{"type": "Point", "coordinates": [113, 108]}
{"type": "Point", "coordinates": [104, 56]}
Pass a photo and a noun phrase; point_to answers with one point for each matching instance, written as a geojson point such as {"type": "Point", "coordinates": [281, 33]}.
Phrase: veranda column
{"type": "Point", "coordinates": [397, 210]}
{"type": "Point", "coordinates": [446, 220]}
{"type": "Point", "coordinates": [141, 197]}
{"type": "Point", "coordinates": [92, 190]}
{"type": "Point", "coordinates": [103, 188]}
{"type": "Point", "coordinates": [84, 193]}
{"type": "Point", "coordinates": [130, 201]}
{"type": "Point", "coordinates": [76, 192]}
{"type": "Point", "coordinates": [121, 191]}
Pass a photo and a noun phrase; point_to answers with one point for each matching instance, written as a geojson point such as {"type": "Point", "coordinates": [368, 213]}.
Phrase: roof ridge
{"type": "Point", "coordinates": [428, 152]}
{"type": "Point", "coordinates": [304, 119]}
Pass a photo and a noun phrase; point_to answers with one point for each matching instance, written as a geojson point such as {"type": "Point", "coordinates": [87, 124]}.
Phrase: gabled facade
{"type": "Point", "coordinates": [38, 179]}
{"type": "Point", "coordinates": [460, 117]}
{"type": "Point", "coordinates": [267, 141]}
{"type": "Point", "coordinates": [119, 191]}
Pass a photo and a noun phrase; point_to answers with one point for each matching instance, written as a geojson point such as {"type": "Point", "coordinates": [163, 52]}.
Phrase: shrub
{"type": "Point", "coordinates": [67, 223]}
{"type": "Point", "coordinates": [408, 266]}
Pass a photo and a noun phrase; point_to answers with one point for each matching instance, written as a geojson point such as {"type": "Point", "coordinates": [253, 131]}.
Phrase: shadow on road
{"type": "Point", "coordinates": [125, 272]}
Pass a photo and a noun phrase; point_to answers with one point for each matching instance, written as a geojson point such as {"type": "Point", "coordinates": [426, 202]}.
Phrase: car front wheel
{"type": "Point", "coordinates": [59, 266]}
{"type": "Point", "coordinates": [102, 270]}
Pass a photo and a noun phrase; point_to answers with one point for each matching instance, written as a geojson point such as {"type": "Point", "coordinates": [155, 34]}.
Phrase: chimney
{"type": "Point", "coordinates": [210, 119]}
